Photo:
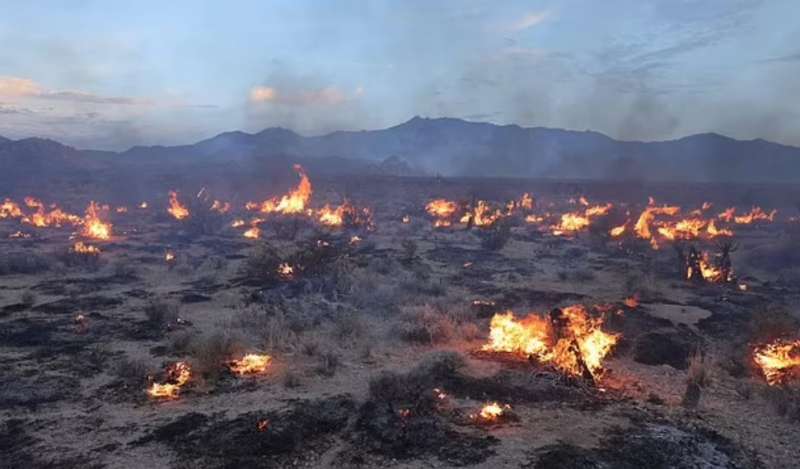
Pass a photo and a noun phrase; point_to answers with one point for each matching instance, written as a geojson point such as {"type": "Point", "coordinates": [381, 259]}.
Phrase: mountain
{"type": "Point", "coordinates": [445, 146]}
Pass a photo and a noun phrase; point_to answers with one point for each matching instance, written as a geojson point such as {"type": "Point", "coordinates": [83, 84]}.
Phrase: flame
{"type": "Point", "coordinates": [177, 376]}
{"type": "Point", "coordinates": [121, 209]}
{"type": "Point", "coordinates": [41, 217]}
{"type": "Point", "coordinates": [93, 226]}
{"type": "Point", "coordinates": [19, 234]}
{"type": "Point", "coordinates": [582, 342]}
{"type": "Point", "coordinates": [143, 205]}
{"type": "Point", "coordinates": [572, 222]}
{"type": "Point", "coordinates": [632, 301]}
{"type": "Point", "coordinates": [10, 209]}
{"type": "Point", "coordinates": [250, 364]}
{"type": "Point", "coordinates": [756, 214]}
{"type": "Point", "coordinates": [262, 425]}
{"type": "Point", "coordinates": [220, 207]}
{"type": "Point", "coordinates": [778, 360]}
{"type": "Point", "coordinates": [176, 209]}
{"type": "Point", "coordinates": [252, 233]}
{"type": "Point", "coordinates": [534, 219]}
{"type": "Point", "coordinates": [642, 227]}
{"type": "Point", "coordinates": [286, 271]}
{"type": "Point", "coordinates": [713, 231]}
{"type": "Point", "coordinates": [344, 214]}
{"type": "Point", "coordinates": [169, 257]}
{"type": "Point", "coordinates": [491, 412]}
{"type": "Point", "coordinates": [707, 270]}
{"type": "Point", "coordinates": [441, 208]}
{"type": "Point", "coordinates": [81, 248]}
{"type": "Point", "coordinates": [406, 219]}
{"type": "Point", "coordinates": [293, 202]}
{"type": "Point", "coordinates": [618, 231]}
{"type": "Point", "coordinates": [237, 223]}
{"type": "Point", "coordinates": [482, 215]}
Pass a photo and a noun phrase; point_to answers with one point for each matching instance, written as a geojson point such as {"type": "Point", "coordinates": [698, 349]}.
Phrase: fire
{"type": "Point", "coordinates": [251, 363]}
{"type": "Point", "coordinates": [779, 360]}
{"type": "Point", "coordinates": [406, 219]}
{"type": "Point", "coordinates": [570, 340]}
{"type": "Point", "coordinates": [81, 248]}
{"type": "Point", "coordinates": [10, 209]}
{"type": "Point", "coordinates": [19, 234]}
{"type": "Point", "coordinates": [481, 215]}
{"type": "Point", "coordinates": [41, 217]}
{"type": "Point", "coordinates": [642, 227]}
{"type": "Point", "coordinates": [706, 269]}
{"type": "Point", "coordinates": [293, 202]}
{"type": "Point", "coordinates": [220, 207]}
{"type": "Point", "coordinates": [169, 257]}
{"type": "Point", "coordinates": [237, 223]}
{"type": "Point", "coordinates": [756, 214]}
{"type": "Point", "coordinates": [713, 231]}
{"type": "Point", "coordinates": [572, 222]}
{"type": "Point", "coordinates": [143, 205]}
{"type": "Point", "coordinates": [492, 411]}
{"type": "Point", "coordinates": [175, 208]}
{"type": "Point", "coordinates": [121, 209]}
{"type": "Point", "coordinates": [534, 219]}
{"type": "Point", "coordinates": [262, 425]}
{"type": "Point", "coordinates": [441, 208]}
{"type": "Point", "coordinates": [285, 271]}
{"type": "Point", "coordinates": [345, 214]}
{"type": "Point", "coordinates": [93, 226]}
{"type": "Point", "coordinates": [526, 202]}
{"type": "Point", "coordinates": [253, 233]}
{"type": "Point", "coordinates": [632, 301]}
{"type": "Point", "coordinates": [618, 231]}
{"type": "Point", "coordinates": [177, 376]}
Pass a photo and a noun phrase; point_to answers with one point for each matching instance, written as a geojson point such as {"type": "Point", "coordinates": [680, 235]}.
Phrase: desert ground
{"type": "Point", "coordinates": [379, 334]}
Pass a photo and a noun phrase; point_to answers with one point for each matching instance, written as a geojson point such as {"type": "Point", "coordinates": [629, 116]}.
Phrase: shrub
{"type": "Point", "coordinates": [210, 352]}
{"type": "Point", "coordinates": [496, 237]}
{"type": "Point", "coordinates": [161, 314]}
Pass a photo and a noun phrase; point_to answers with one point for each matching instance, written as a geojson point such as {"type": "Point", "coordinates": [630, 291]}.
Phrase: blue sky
{"type": "Point", "coordinates": [112, 74]}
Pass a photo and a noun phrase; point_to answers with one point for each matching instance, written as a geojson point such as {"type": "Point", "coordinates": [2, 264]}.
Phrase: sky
{"type": "Point", "coordinates": [112, 74]}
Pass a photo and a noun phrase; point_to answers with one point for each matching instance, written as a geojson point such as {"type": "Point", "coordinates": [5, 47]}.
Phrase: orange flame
{"type": "Point", "coordinates": [177, 376]}
{"type": "Point", "coordinates": [482, 215]}
{"type": "Point", "coordinates": [250, 364]}
{"type": "Point", "coordinates": [293, 202]}
{"type": "Point", "coordinates": [441, 208]}
{"type": "Point", "coordinates": [82, 248]}
{"type": "Point", "coordinates": [779, 360]}
{"type": "Point", "coordinates": [93, 226]}
{"type": "Point", "coordinates": [176, 209]}
{"type": "Point", "coordinates": [584, 342]}
{"type": "Point", "coordinates": [10, 209]}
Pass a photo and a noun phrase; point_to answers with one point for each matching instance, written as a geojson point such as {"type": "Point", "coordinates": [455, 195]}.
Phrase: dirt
{"type": "Point", "coordinates": [348, 386]}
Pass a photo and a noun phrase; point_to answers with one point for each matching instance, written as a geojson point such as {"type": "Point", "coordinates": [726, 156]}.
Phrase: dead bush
{"type": "Point", "coordinates": [329, 362]}
{"type": "Point", "coordinates": [497, 236]}
{"type": "Point", "coordinates": [349, 326]}
{"type": "Point", "coordinates": [262, 266]}
{"type": "Point", "coordinates": [132, 372]}
{"type": "Point", "coordinates": [274, 328]}
{"type": "Point", "coordinates": [28, 299]}
{"type": "Point", "coordinates": [161, 314]}
{"type": "Point", "coordinates": [210, 352]}
{"type": "Point", "coordinates": [23, 263]}
{"type": "Point", "coordinates": [697, 377]}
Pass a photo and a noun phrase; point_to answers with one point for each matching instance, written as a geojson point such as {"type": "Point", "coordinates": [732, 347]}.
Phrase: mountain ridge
{"type": "Point", "coordinates": [457, 147]}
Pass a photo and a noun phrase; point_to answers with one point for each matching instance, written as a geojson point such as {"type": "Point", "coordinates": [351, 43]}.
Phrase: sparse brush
{"type": "Point", "coordinates": [785, 400]}
{"type": "Point", "coordinates": [132, 372]}
{"type": "Point", "coordinates": [161, 314]}
{"type": "Point", "coordinates": [291, 380]}
{"type": "Point", "coordinates": [329, 362]}
{"type": "Point", "coordinates": [262, 266]}
{"type": "Point", "coordinates": [23, 263]}
{"type": "Point", "coordinates": [697, 378]}
{"type": "Point", "coordinates": [349, 326]}
{"type": "Point", "coordinates": [409, 249]}
{"type": "Point", "coordinates": [497, 236]}
{"type": "Point", "coordinates": [211, 351]}
{"type": "Point", "coordinates": [123, 269]}
{"type": "Point", "coordinates": [28, 299]}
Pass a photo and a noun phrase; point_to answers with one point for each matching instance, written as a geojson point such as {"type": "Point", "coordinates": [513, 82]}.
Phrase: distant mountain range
{"type": "Point", "coordinates": [447, 146]}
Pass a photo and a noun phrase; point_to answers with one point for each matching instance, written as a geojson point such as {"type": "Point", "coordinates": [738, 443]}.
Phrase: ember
{"type": "Point", "coordinates": [286, 271]}
{"type": "Point", "coordinates": [81, 248]}
{"type": "Point", "coordinates": [779, 361]}
{"type": "Point", "coordinates": [252, 233]}
{"type": "Point", "coordinates": [490, 413]}
{"type": "Point", "coordinates": [250, 364]}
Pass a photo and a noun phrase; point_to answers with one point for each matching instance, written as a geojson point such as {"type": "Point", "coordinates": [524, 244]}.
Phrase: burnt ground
{"type": "Point", "coordinates": [365, 332]}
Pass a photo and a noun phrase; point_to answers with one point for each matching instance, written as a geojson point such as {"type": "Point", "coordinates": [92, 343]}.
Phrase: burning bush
{"type": "Point", "coordinates": [176, 376]}
{"type": "Point", "coordinates": [569, 339]}
{"type": "Point", "coordinates": [779, 361]}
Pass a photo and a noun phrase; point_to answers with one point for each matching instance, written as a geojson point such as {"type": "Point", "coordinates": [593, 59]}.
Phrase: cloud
{"type": "Point", "coordinates": [22, 88]}
{"type": "Point", "coordinates": [327, 96]}
{"type": "Point", "coordinates": [529, 20]}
